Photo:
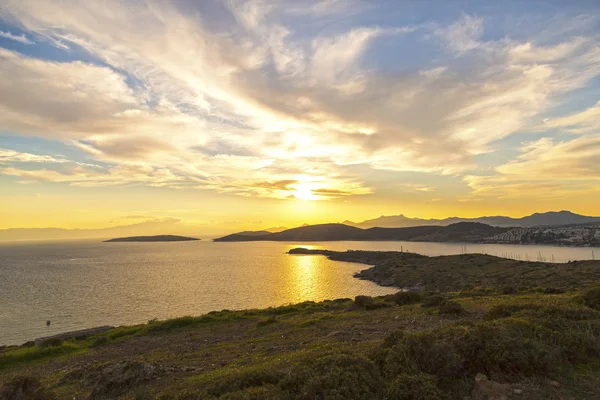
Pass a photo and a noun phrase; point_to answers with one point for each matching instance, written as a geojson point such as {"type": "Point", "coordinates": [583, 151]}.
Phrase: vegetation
{"type": "Point", "coordinates": [339, 349]}
{"type": "Point", "coordinates": [420, 345]}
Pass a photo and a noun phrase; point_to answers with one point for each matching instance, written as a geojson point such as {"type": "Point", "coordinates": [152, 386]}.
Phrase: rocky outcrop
{"type": "Point", "coordinates": [83, 333]}
{"type": "Point", "coordinates": [111, 380]}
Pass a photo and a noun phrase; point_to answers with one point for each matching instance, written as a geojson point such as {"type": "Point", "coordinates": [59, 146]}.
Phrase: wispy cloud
{"type": "Point", "coordinates": [21, 39]}
{"type": "Point", "coordinates": [252, 105]}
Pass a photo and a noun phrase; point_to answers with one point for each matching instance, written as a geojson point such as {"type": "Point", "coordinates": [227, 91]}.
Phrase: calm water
{"type": "Point", "coordinates": [80, 284]}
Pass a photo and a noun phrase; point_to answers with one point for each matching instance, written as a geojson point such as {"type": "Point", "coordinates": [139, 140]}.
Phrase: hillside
{"type": "Point", "coordinates": [461, 232]}
{"type": "Point", "coordinates": [407, 346]}
{"type": "Point", "coordinates": [552, 218]}
{"type": "Point", "coordinates": [156, 238]}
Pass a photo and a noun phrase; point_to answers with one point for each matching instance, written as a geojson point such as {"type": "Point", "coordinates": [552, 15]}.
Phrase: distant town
{"type": "Point", "coordinates": [574, 235]}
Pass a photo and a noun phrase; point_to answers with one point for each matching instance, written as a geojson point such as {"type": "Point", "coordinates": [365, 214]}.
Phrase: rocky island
{"type": "Point", "coordinates": [157, 238]}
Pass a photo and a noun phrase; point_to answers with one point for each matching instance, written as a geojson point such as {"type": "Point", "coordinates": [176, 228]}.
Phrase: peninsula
{"type": "Point", "coordinates": [157, 238]}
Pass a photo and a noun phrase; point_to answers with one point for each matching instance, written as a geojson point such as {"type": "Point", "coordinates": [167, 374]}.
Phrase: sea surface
{"type": "Point", "coordinates": [87, 283]}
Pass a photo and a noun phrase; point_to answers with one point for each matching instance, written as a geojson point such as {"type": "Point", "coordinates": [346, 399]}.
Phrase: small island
{"type": "Point", "coordinates": [157, 238]}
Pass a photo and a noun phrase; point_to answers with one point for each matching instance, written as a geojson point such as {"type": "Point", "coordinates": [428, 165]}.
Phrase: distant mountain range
{"type": "Point", "coordinates": [152, 227]}
{"type": "Point", "coordinates": [552, 218]}
{"type": "Point", "coordinates": [459, 232]}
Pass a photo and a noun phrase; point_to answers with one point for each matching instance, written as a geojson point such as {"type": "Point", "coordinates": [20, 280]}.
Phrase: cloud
{"type": "Point", "coordinates": [233, 97]}
{"type": "Point", "coordinates": [545, 169]}
{"type": "Point", "coordinates": [463, 35]}
{"type": "Point", "coordinates": [584, 122]}
{"type": "Point", "coordinates": [21, 39]}
{"type": "Point", "coordinates": [11, 156]}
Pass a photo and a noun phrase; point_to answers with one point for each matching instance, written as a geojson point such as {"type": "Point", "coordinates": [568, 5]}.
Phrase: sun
{"type": "Point", "coordinates": [304, 191]}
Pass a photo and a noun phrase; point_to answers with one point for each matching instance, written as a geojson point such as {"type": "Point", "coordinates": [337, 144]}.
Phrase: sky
{"type": "Point", "coordinates": [252, 114]}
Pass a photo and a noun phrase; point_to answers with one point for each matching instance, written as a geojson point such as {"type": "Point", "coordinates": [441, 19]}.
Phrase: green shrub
{"type": "Point", "coordinates": [407, 297]}
{"type": "Point", "coordinates": [242, 381]}
{"type": "Point", "coordinates": [363, 301]}
{"type": "Point", "coordinates": [508, 290]}
{"type": "Point", "coordinates": [52, 342]}
{"type": "Point", "coordinates": [29, 354]}
{"type": "Point", "coordinates": [433, 301]}
{"type": "Point", "coordinates": [266, 392]}
{"type": "Point", "coordinates": [392, 338]}
{"type": "Point", "coordinates": [266, 321]}
{"type": "Point", "coordinates": [377, 303]}
{"type": "Point", "coordinates": [100, 341]}
{"type": "Point", "coordinates": [471, 293]}
{"type": "Point", "coordinates": [451, 307]}
{"type": "Point", "coordinates": [423, 352]}
{"type": "Point", "coordinates": [591, 298]}
{"type": "Point", "coordinates": [415, 387]}
{"type": "Point", "coordinates": [335, 377]}
{"type": "Point", "coordinates": [501, 311]}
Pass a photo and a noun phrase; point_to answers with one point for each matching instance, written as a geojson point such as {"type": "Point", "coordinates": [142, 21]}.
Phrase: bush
{"type": "Point", "coordinates": [472, 293]}
{"type": "Point", "coordinates": [508, 290]}
{"type": "Point", "coordinates": [363, 301]}
{"type": "Point", "coordinates": [267, 321]}
{"type": "Point", "coordinates": [407, 297]}
{"type": "Point", "coordinates": [335, 377]}
{"type": "Point", "coordinates": [501, 311]}
{"type": "Point", "coordinates": [100, 341]}
{"type": "Point", "coordinates": [242, 381]}
{"type": "Point", "coordinates": [591, 298]}
{"type": "Point", "coordinates": [377, 303]}
{"type": "Point", "coordinates": [52, 342]}
{"type": "Point", "coordinates": [266, 392]}
{"type": "Point", "coordinates": [24, 388]}
{"type": "Point", "coordinates": [433, 301]}
{"type": "Point", "coordinates": [451, 307]}
{"type": "Point", "coordinates": [424, 352]}
{"type": "Point", "coordinates": [392, 338]}
{"type": "Point", "coordinates": [550, 290]}
{"type": "Point", "coordinates": [415, 387]}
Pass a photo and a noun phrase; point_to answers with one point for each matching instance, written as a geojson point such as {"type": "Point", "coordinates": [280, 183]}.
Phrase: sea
{"type": "Point", "coordinates": [81, 284]}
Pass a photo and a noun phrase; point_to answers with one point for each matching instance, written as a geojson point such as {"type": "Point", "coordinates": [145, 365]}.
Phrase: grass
{"type": "Point", "coordinates": [385, 348]}
{"type": "Point", "coordinates": [23, 355]}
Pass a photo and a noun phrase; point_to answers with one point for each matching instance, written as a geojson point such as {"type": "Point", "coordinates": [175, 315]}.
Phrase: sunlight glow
{"type": "Point", "coordinates": [303, 191]}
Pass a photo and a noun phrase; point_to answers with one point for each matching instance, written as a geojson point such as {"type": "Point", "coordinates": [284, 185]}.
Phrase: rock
{"type": "Point", "coordinates": [490, 390]}
{"type": "Point", "coordinates": [24, 388]}
{"type": "Point", "coordinates": [517, 391]}
{"type": "Point", "coordinates": [554, 384]}
{"type": "Point", "coordinates": [116, 378]}
{"type": "Point", "coordinates": [480, 377]}
{"type": "Point", "coordinates": [335, 333]}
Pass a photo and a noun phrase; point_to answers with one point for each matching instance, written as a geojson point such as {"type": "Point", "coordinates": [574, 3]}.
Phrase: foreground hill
{"type": "Point", "coordinates": [157, 238]}
{"type": "Point", "coordinates": [461, 232]}
{"type": "Point", "coordinates": [476, 344]}
{"type": "Point", "coordinates": [407, 346]}
{"type": "Point", "coordinates": [552, 218]}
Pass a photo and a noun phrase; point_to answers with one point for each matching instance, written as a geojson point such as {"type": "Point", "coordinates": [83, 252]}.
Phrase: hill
{"type": "Point", "coordinates": [461, 232]}
{"type": "Point", "coordinates": [414, 346]}
{"type": "Point", "coordinates": [157, 238]}
{"type": "Point", "coordinates": [552, 218]}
